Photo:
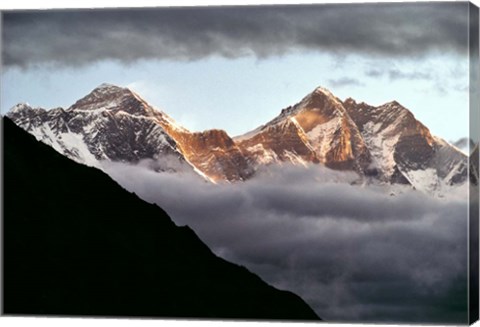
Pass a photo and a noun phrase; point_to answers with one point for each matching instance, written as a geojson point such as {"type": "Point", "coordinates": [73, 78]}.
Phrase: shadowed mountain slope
{"type": "Point", "coordinates": [76, 243]}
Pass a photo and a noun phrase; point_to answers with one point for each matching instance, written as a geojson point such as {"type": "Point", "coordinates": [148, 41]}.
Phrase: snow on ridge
{"type": "Point", "coordinates": [69, 144]}
{"type": "Point", "coordinates": [170, 121]}
{"type": "Point", "coordinates": [380, 140]}
{"type": "Point", "coordinates": [305, 135]}
{"type": "Point", "coordinates": [294, 158]}
{"type": "Point", "coordinates": [325, 91]}
{"type": "Point", "coordinates": [425, 180]}
{"type": "Point", "coordinates": [328, 93]}
{"type": "Point", "coordinates": [288, 112]}
{"type": "Point", "coordinates": [321, 136]}
{"type": "Point", "coordinates": [19, 107]}
{"type": "Point", "coordinates": [106, 88]}
{"type": "Point", "coordinates": [107, 85]}
{"type": "Point", "coordinates": [22, 106]}
{"type": "Point", "coordinates": [263, 156]}
{"type": "Point", "coordinates": [382, 147]}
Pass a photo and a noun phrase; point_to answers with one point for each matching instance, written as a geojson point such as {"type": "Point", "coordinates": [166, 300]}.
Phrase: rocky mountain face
{"type": "Point", "coordinates": [213, 153]}
{"type": "Point", "coordinates": [384, 144]}
{"type": "Point", "coordinates": [93, 248]}
{"type": "Point", "coordinates": [110, 123]}
{"type": "Point", "coordinates": [403, 150]}
{"type": "Point", "coordinates": [114, 123]}
{"type": "Point", "coordinates": [316, 130]}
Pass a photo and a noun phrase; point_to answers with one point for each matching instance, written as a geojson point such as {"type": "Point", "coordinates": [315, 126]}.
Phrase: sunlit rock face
{"type": "Point", "coordinates": [316, 130]}
{"type": "Point", "coordinates": [213, 153]}
{"type": "Point", "coordinates": [114, 123]}
{"type": "Point", "coordinates": [383, 144]}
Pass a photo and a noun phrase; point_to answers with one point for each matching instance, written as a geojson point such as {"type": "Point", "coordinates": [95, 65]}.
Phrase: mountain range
{"type": "Point", "coordinates": [76, 243]}
{"type": "Point", "coordinates": [381, 144]}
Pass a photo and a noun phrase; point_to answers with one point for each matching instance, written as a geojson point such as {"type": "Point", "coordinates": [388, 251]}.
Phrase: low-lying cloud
{"type": "Point", "coordinates": [353, 253]}
{"type": "Point", "coordinates": [74, 38]}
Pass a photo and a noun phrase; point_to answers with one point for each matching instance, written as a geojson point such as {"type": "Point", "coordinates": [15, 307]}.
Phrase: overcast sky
{"type": "Point", "coordinates": [236, 67]}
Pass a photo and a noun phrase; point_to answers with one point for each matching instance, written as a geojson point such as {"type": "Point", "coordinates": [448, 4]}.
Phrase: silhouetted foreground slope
{"type": "Point", "coordinates": [76, 243]}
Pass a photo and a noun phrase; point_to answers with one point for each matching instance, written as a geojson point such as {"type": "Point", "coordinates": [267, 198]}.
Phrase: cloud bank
{"type": "Point", "coordinates": [352, 253]}
{"type": "Point", "coordinates": [73, 38]}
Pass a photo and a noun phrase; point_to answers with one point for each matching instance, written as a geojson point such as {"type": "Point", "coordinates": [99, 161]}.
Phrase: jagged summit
{"type": "Point", "coordinates": [108, 86]}
{"type": "Point", "coordinates": [316, 130]}
{"type": "Point", "coordinates": [321, 98]}
{"type": "Point", "coordinates": [114, 123]}
{"type": "Point", "coordinates": [110, 123]}
{"type": "Point", "coordinates": [394, 103]}
{"type": "Point", "coordinates": [107, 89]}
{"type": "Point", "coordinates": [350, 101]}
{"type": "Point", "coordinates": [384, 143]}
{"type": "Point", "coordinates": [25, 110]}
{"type": "Point", "coordinates": [114, 98]}
{"type": "Point", "coordinates": [323, 90]}
{"type": "Point", "coordinates": [20, 106]}
{"type": "Point", "coordinates": [101, 95]}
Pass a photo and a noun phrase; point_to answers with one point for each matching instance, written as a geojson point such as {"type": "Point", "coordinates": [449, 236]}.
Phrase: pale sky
{"type": "Point", "coordinates": [241, 77]}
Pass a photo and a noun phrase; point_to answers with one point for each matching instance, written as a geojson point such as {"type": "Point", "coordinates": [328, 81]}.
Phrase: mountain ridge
{"type": "Point", "coordinates": [383, 143]}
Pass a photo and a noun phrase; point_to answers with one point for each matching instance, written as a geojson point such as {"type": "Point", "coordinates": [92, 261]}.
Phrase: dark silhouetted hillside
{"type": "Point", "coordinates": [76, 243]}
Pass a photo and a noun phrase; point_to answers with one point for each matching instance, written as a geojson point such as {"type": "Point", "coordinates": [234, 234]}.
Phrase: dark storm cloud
{"type": "Point", "coordinates": [80, 37]}
{"type": "Point", "coordinates": [353, 253]}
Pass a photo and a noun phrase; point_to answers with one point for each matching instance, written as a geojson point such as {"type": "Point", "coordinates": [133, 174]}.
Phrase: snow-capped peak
{"type": "Point", "coordinates": [111, 97]}
{"type": "Point", "coordinates": [321, 93]}
{"type": "Point", "coordinates": [107, 87]}
{"type": "Point", "coordinates": [20, 107]}
{"type": "Point", "coordinates": [382, 143]}
{"type": "Point", "coordinates": [324, 91]}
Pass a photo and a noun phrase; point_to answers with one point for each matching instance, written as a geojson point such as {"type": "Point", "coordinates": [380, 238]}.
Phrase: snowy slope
{"type": "Point", "coordinates": [315, 130]}
{"type": "Point", "coordinates": [108, 124]}
{"type": "Point", "coordinates": [403, 149]}
{"type": "Point", "coordinates": [115, 124]}
{"type": "Point", "coordinates": [382, 145]}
